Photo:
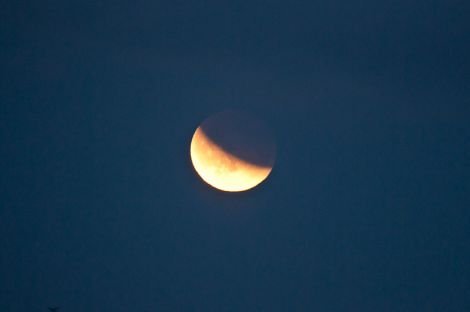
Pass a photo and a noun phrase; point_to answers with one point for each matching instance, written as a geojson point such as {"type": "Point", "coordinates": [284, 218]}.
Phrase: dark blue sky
{"type": "Point", "coordinates": [367, 208]}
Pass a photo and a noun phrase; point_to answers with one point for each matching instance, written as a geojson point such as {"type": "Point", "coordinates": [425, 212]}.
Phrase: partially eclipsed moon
{"type": "Point", "coordinates": [232, 151]}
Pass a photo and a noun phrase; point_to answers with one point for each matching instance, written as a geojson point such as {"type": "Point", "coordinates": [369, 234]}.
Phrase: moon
{"type": "Point", "coordinates": [233, 151]}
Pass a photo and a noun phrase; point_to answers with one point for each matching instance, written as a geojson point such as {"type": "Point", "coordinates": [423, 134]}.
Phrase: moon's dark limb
{"type": "Point", "coordinates": [243, 136]}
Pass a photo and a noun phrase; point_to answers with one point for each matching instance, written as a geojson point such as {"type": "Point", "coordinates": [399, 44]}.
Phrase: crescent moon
{"type": "Point", "coordinates": [232, 151]}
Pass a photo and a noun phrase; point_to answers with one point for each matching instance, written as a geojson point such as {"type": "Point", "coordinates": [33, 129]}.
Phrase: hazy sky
{"type": "Point", "coordinates": [367, 208]}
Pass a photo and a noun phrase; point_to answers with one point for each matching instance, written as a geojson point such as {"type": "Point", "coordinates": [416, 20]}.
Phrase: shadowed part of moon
{"type": "Point", "coordinates": [241, 135]}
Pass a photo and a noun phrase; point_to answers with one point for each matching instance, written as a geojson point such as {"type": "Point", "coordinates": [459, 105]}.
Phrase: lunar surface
{"type": "Point", "coordinates": [232, 151]}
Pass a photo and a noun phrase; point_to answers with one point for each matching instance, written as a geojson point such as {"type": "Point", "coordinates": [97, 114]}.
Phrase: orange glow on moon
{"type": "Point", "coordinates": [221, 169]}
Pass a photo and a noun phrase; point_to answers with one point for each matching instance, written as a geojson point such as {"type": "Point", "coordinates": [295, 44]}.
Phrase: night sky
{"type": "Point", "coordinates": [367, 207]}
